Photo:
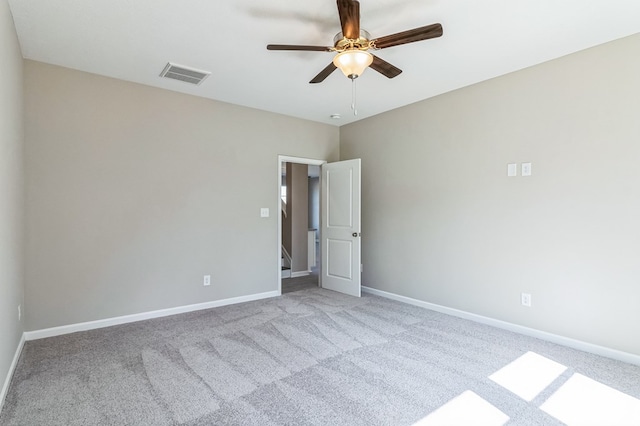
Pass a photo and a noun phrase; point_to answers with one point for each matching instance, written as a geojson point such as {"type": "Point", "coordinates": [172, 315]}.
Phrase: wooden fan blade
{"type": "Point", "coordinates": [384, 67]}
{"type": "Point", "coordinates": [409, 36]}
{"type": "Point", "coordinates": [323, 74]}
{"type": "Point", "coordinates": [349, 11]}
{"type": "Point", "coordinates": [299, 47]}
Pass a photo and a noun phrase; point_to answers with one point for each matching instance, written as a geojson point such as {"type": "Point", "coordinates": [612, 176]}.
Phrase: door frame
{"type": "Point", "coordinates": [297, 160]}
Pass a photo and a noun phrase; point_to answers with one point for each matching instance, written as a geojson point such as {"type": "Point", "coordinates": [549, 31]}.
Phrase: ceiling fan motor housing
{"type": "Point", "coordinates": [340, 42]}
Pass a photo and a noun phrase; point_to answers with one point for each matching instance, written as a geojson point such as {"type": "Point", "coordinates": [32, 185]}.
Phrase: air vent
{"type": "Point", "coordinates": [188, 75]}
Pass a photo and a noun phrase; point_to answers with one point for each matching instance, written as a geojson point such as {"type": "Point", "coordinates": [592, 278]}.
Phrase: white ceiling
{"type": "Point", "coordinates": [134, 39]}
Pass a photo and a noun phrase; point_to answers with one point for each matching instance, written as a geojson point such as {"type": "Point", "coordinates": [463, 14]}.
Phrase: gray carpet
{"type": "Point", "coordinates": [299, 283]}
{"type": "Point", "coordinates": [311, 357]}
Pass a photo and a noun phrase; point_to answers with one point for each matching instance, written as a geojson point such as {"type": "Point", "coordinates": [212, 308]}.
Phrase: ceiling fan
{"type": "Point", "coordinates": [353, 43]}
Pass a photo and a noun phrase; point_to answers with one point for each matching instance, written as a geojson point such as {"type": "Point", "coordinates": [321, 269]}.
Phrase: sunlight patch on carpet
{"type": "Point", "coordinates": [528, 375]}
{"type": "Point", "coordinates": [468, 408]}
{"type": "Point", "coordinates": [584, 401]}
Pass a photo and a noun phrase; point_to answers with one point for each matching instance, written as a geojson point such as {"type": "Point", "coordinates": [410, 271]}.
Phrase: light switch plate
{"type": "Point", "coordinates": [512, 169]}
{"type": "Point", "coordinates": [264, 212]}
{"type": "Point", "coordinates": [526, 169]}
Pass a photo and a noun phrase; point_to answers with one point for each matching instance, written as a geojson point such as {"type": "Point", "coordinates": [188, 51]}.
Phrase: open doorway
{"type": "Point", "coordinates": [339, 260]}
{"type": "Point", "coordinates": [299, 223]}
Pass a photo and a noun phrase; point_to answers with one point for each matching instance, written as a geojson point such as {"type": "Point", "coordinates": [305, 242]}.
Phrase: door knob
{"type": "Point", "coordinates": [355, 234]}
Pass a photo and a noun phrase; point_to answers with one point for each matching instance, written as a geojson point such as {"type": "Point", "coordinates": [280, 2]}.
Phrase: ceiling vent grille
{"type": "Point", "coordinates": [182, 73]}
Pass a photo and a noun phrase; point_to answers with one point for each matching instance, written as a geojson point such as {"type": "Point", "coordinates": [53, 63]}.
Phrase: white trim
{"type": "Point", "coordinates": [299, 160]}
{"type": "Point", "coordinates": [300, 274]}
{"type": "Point", "coordinates": [289, 159]}
{"type": "Point", "coordinates": [12, 368]}
{"type": "Point", "coordinates": [108, 322]}
{"type": "Point", "coordinates": [543, 335]}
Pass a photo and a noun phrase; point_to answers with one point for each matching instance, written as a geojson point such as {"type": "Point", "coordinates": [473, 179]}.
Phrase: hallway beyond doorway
{"type": "Point", "coordinates": [308, 281]}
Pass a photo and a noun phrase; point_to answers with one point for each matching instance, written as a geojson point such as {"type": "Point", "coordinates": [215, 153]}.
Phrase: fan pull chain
{"type": "Point", "coordinates": [353, 96]}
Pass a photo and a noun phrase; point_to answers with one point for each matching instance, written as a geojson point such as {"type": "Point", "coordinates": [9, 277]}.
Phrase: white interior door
{"type": "Point", "coordinates": [340, 226]}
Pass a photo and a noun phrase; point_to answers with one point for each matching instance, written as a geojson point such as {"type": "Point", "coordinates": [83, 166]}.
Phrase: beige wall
{"type": "Point", "coordinates": [314, 203]}
{"type": "Point", "coordinates": [134, 193]}
{"type": "Point", "coordinates": [287, 220]}
{"type": "Point", "coordinates": [11, 191]}
{"type": "Point", "coordinates": [442, 222]}
{"type": "Point", "coordinates": [295, 224]}
{"type": "Point", "coordinates": [299, 202]}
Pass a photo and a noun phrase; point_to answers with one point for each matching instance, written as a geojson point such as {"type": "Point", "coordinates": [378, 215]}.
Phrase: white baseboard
{"type": "Point", "coordinates": [543, 335]}
{"type": "Point", "coordinates": [91, 325]}
{"type": "Point", "coordinates": [300, 274]}
{"type": "Point", "coordinates": [12, 368]}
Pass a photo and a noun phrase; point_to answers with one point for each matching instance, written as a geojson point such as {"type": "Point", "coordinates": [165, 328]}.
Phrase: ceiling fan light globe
{"type": "Point", "coordinates": [352, 63]}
